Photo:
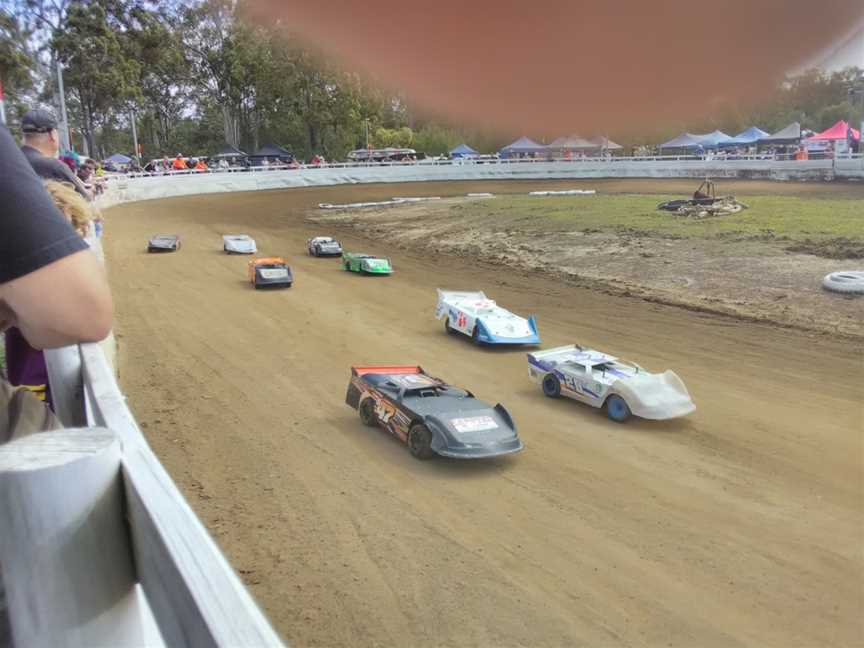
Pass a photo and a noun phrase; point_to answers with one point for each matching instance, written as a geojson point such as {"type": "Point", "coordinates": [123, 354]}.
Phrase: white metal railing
{"type": "Point", "coordinates": [607, 159]}
{"type": "Point", "coordinates": [98, 545]}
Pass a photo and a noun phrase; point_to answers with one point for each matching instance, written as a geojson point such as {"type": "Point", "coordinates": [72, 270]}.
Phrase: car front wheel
{"type": "Point", "coordinates": [420, 442]}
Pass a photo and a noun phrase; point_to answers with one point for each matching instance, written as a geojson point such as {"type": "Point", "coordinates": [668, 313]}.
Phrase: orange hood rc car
{"type": "Point", "coordinates": [270, 272]}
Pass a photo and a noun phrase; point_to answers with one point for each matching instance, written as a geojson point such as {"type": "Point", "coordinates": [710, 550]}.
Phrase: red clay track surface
{"type": "Point", "coordinates": [738, 525]}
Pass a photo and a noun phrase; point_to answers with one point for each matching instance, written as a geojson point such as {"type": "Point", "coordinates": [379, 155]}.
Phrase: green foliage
{"type": "Point", "coordinates": [196, 76]}
{"type": "Point", "coordinates": [796, 218]}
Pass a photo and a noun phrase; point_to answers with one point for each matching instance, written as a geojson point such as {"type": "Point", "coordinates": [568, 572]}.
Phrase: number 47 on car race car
{"type": "Point", "coordinates": [429, 415]}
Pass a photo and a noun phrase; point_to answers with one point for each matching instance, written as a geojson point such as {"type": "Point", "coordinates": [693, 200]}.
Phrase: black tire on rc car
{"type": "Point", "coordinates": [475, 335]}
{"type": "Point", "coordinates": [367, 413]}
{"type": "Point", "coordinates": [420, 442]}
{"type": "Point", "coordinates": [551, 386]}
{"type": "Point", "coordinates": [447, 326]}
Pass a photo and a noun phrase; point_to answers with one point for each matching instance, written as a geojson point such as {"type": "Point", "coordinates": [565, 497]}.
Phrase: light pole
{"type": "Point", "coordinates": [135, 137]}
{"type": "Point", "coordinates": [64, 119]}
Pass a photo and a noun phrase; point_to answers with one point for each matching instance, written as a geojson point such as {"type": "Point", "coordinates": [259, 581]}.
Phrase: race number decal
{"type": "Point", "coordinates": [474, 424]}
{"type": "Point", "coordinates": [384, 412]}
{"type": "Point", "coordinates": [462, 321]}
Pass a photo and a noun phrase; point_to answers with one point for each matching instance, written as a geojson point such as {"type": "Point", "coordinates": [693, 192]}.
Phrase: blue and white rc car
{"type": "Point", "coordinates": [480, 318]}
{"type": "Point", "coordinates": [603, 381]}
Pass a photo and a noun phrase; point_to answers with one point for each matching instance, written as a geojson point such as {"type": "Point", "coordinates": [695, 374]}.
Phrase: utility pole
{"type": "Point", "coordinates": [64, 118]}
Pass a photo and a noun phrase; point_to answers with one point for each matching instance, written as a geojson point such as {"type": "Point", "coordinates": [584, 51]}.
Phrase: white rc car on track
{"type": "Point", "coordinates": [601, 380]}
{"type": "Point", "coordinates": [239, 244]}
{"type": "Point", "coordinates": [480, 318]}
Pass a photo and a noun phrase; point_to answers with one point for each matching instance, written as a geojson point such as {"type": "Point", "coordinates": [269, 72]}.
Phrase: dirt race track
{"type": "Point", "coordinates": [740, 525]}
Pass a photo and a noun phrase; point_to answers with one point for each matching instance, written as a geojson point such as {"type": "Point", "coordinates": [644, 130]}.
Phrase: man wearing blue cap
{"type": "Point", "coordinates": [41, 146]}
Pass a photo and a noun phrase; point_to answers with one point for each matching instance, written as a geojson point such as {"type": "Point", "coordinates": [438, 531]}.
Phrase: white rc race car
{"type": "Point", "coordinates": [239, 244]}
{"type": "Point", "coordinates": [601, 380]}
{"type": "Point", "coordinates": [480, 318]}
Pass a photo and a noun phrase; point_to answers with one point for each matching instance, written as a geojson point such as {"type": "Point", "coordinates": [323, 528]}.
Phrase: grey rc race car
{"type": "Point", "coordinates": [163, 243]}
{"type": "Point", "coordinates": [430, 416]}
{"type": "Point", "coordinates": [324, 246]}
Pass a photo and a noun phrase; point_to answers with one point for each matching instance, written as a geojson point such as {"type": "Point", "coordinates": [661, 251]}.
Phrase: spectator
{"type": "Point", "coordinates": [51, 286]}
{"type": "Point", "coordinates": [41, 147]}
{"type": "Point", "coordinates": [86, 171]}
{"type": "Point", "coordinates": [201, 165]}
{"type": "Point", "coordinates": [25, 366]}
{"type": "Point", "coordinates": [223, 163]}
{"type": "Point", "coordinates": [179, 164]}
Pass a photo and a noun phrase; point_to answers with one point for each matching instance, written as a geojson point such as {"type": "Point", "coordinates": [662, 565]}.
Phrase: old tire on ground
{"type": "Point", "coordinates": [617, 408]}
{"type": "Point", "coordinates": [420, 442]}
{"type": "Point", "coordinates": [551, 386]}
{"type": "Point", "coordinates": [367, 413]}
{"type": "Point", "coordinates": [850, 282]}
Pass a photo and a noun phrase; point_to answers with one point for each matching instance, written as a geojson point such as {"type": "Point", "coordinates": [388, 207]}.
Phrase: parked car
{"type": "Point", "coordinates": [603, 381]}
{"type": "Point", "coordinates": [480, 318]}
{"type": "Point", "coordinates": [430, 416]}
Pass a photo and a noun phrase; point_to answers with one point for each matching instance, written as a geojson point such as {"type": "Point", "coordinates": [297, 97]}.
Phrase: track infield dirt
{"type": "Point", "coordinates": [741, 524]}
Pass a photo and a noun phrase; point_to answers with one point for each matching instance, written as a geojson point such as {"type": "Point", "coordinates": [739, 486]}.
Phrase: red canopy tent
{"type": "Point", "coordinates": [838, 131]}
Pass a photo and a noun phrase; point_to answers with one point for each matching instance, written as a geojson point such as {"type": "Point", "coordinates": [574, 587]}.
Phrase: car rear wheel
{"type": "Point", "coordinates": [367, 413]}
{"type": "Point", "coordinates": [475, 334]}
{"type": "Point", "coordinates": [551, 386]}
{"type": "Point", "coordinates": [447, 327]}
{"type": "Point", "coordinates": [617, 408]}
{"type": "Point", "coordinates": [420, 442]}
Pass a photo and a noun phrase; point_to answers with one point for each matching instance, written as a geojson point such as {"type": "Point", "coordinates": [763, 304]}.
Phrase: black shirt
{"type": "Point", "coordinates": [33, 232]}
{"type": "Point", "coordinates": [52, 169]}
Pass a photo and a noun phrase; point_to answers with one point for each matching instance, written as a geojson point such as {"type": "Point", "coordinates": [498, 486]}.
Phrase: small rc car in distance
{"type": "Point", "coordinates": [366, 263]}
{"type": "Point", "coordinates": [239, 244]}
{"type": "Point", "coordinates": [163, 243]}
{"type": "Point", "coordinates": [430, 416]}
{"type": "Point", "coordinates": [603, 381]}
{"type": "Point", "coordinates": [323, 246]}
{"type": "Point", "coordinates": [480, 318]}
{"type": "Point", "coordinates": [270, 272]}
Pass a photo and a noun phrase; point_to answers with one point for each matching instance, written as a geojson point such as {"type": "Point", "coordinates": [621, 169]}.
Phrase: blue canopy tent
{"type": "Point", "coordinates": [522, 146]}
{"type": "Point", "coordinates": [119, 158]}
{"type": "Point", "coordinates": [713, 139]}
{"type": "Point", "coordinates": [746, 138]}
{"type": "Point", "coordinates": [462, 151]}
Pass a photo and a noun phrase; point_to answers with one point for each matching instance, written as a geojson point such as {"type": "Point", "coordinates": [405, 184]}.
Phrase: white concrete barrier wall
{"type": "Point", "coordinates": [166, 186]}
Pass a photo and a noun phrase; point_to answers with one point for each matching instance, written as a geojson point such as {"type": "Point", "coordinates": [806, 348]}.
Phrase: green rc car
{"type": "Point", "coordinates": [366, 263]}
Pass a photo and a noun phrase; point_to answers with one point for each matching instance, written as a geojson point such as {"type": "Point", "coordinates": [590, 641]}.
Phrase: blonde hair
{"type": "Point", "coordinates": [75, 208]}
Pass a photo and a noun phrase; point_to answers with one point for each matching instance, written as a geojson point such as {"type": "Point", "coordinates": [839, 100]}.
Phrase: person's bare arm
{"type": "Point", "coordinates": [65, 302]}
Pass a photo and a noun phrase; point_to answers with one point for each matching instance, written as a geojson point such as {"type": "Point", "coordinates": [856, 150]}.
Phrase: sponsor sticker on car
{"type": "Point", "coordinates": [273, 273]}
{"type": "Point", "coordinates": [474, 424]}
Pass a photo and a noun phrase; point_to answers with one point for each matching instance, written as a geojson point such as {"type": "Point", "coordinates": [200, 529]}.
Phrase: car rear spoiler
{"type": "Point", "coordinates": [386, 369]}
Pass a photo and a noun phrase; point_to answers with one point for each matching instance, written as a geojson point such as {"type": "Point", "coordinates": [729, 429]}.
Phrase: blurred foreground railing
{"type": "Point", "coordinates": [97, 544]}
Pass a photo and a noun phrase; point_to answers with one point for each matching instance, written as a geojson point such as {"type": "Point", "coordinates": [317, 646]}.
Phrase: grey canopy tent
{"type": "Point", "coordinates": [791, 134]}
{"type": "Point", "coordinates": [463, 150]}
{"type": "Point", "coordinates": [684, 140]}
{"type": "Point", "coordinates": [605, 144]}
{"type": "Point", "coordinates": [522, 146]}
{"type": "Point", "coordinates": [572, 143]}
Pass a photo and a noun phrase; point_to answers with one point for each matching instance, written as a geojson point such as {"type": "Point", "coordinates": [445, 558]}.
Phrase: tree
{"type": "Point", "coordinates": [99, 74]}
